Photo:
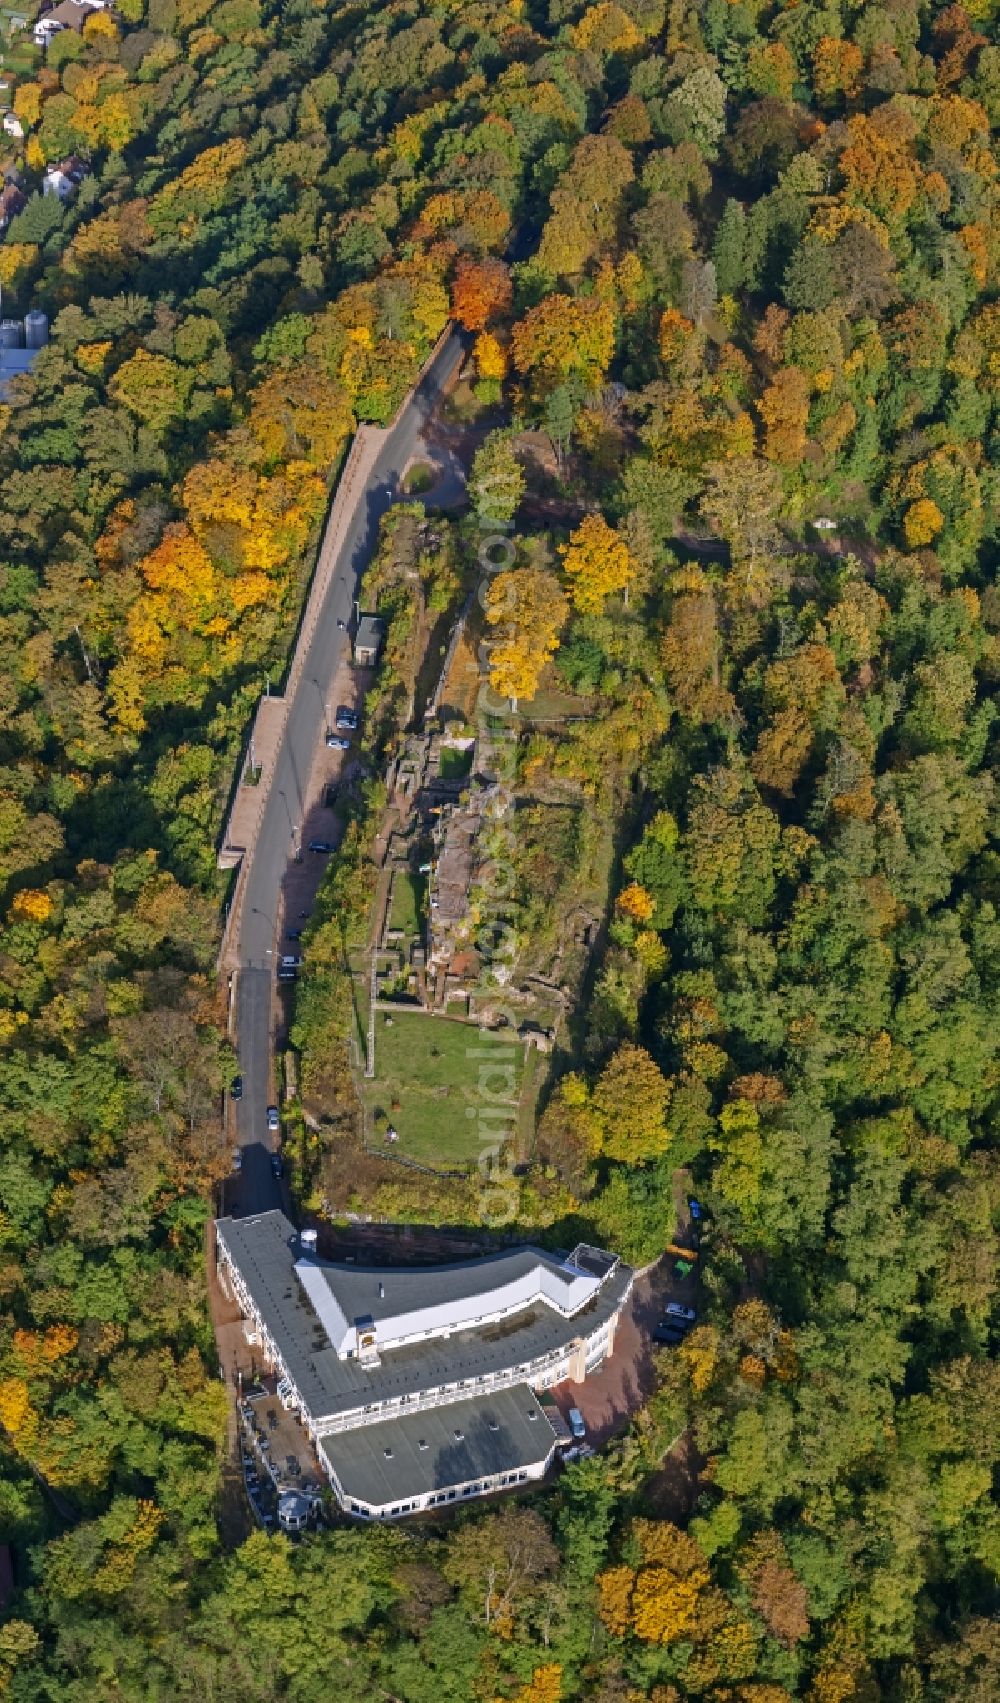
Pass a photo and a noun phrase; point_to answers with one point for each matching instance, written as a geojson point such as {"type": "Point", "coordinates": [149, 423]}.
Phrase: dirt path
{"type": "Point", "coordinates": [232, 1513]}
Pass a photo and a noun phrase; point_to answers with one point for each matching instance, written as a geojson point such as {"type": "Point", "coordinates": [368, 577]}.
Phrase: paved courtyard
{"type": "Point", "coordinates": [610, 1396]}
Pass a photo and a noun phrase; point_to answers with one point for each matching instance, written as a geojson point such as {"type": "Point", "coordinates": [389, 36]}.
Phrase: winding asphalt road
{"type": "Point", "coordinates": [254, 1188]}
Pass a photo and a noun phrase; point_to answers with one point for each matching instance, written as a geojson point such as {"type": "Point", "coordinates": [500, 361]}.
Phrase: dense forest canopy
{"type": "Point", "coordinates": [739, 263]}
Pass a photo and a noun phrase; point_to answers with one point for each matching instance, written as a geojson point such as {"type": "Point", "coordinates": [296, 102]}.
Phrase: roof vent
{"type": "Point", "coordinates": [423, 1444]}
{"type": "Point", "coordinates": [532, 1414]}
{"type": "Point", "coordinates": [388, 1454]}
{"type": "Point", "coordinates": [381, 1291]}
{"type": "Point", "coordinates": [493, 1425]}
{"type": "Point", "coordinates": [459, 1436]}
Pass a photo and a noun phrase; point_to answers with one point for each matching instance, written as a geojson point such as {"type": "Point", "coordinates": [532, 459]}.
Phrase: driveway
{"type": "Point", "coordinates": [611, 1395]}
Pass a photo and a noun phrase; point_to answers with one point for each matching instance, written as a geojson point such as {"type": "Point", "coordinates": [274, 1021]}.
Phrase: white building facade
{"type": "Point", "coordinates": [372, 1350]}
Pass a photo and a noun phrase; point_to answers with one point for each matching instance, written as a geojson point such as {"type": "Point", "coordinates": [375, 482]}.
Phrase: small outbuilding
{"type": "Point", "coordinates": [295, 1510]}
{"type": "Point", "coordinates": [368, 640]}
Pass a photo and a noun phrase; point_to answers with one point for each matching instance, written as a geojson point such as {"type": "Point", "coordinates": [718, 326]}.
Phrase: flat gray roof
{"type": "Point", "coordinates": [501, 1433]}
{"type": "Point", "coordinates": [265, 1249]}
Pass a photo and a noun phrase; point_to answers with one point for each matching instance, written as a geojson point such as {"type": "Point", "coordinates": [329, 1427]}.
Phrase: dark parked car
{"type": "Point", "coordinates": [346, 718]}
{"type": "Point", "coordinates": [287, 973]}
{"type": "Point", "coordinates": [667, 1333]}
{"type": "Point", "coordinates": [237, 1088]}
{"type": "Point", "coordinates": [293, 934]}
{"type": "Point", "coordinates": [320, 845]}
{"type": "Point", "coordinates": [277, 1168]}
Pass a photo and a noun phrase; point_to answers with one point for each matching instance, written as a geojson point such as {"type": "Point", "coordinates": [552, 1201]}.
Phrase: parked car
{"type": "Point", "coordinates": [236, 1089]}
{"type": "Point", "coordinates": [238, 1159]}
{"type": "Point", "coordinates": [287, 973]}
{"type": "Point", "coordinates": [576, 1423]}
{"type": "Point", "coordinates": [273, 1118]}
{"type": "Point", "coordinates": [293, 934]}
{"type": "Point", "coordinates": [346, 718]}
{"type": "Point", "coordinates": [290, 961]}
{"type": "Point", "coordinates": [337, 742]}
{"type": "Point", "coordinates": [321, 846]}
{"type": "Point", "coordinates": [668, 1333]}
{"type": "Point", "coordinates": [277, 1167]}
{"type": "Point", "coordinates": [675, 1310]}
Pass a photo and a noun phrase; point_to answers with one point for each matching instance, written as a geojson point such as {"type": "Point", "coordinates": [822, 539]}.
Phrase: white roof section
{"type": "Point", "coordinates": [405, 1305]}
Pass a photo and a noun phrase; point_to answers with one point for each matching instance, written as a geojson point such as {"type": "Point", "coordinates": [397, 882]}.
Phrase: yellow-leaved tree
{"type": "Point", "coordinates": [527, 608]}
{"type": "Point", "coordinates": [544, 1686]}
{"type": "Point", "coordinates": [630, 1098]}
{"type": "Point", "coordinates": [597, 563]}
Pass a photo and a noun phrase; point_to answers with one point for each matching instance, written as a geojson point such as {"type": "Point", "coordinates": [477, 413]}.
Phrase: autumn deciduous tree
{"type": "Point", "coordinates": [480, 291]}
{"type": "Point", "coordinates": [597, 563]}
{"type": "Point", "coordinates": [635, 903]}
{"type": "Point", "coordinates": [630, 1099]}
{"type": "Point", "coordinates": [154, 387]}
{"type": "Point", "coordinates": [837, 67]}
{"type": "Point", "coordinates": [742, 499]}
{"type": "Point", "coordinates": [606, 28]}
{"type": "Point", "coordinates": [564, 335]}
{"type": "Point", "coordinates": [660, 1600]}
{"type": "Point", "coordinates": [527, 609]}
{"type": "Point", "coordinates": [778, 1595]}
{"type": "Point", "coordinates": [585, 205]}
{"type": "Point", "coordinates": [32, 905]}
{"type": "Point", "coordinates": [922, 522]}
{"type": "Point", "coordinates": [491, 358]}
{"type": "Point", "coordinates": [690, 648]}
{"type": "Point", "coordinates": [544, 1686]}
{"type": "Point", "coordinates": [784, 409]}
{"type": "Point", "coordinates": [496, 482]}
{"type": "Point", "coordinates": [497, 1563]}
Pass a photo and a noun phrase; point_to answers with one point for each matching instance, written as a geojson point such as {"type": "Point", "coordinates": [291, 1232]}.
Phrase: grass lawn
{"type": "Point", "coordinates": [418, 479]}
{"type": "Point", "coordinates": [430, 1073]}
{"type": "Point", "coordinates": [407, 900]}
{"type": "Point", "coordinates": [551, 703]}
{"type": "Point", "coordinates": [455, 763]}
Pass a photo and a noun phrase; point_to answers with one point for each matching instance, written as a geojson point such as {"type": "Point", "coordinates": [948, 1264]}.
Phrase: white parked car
{"type": "Point", "coordinates": [674, 1310]}
{"type": "Point", "coordinates": [576, 1424]}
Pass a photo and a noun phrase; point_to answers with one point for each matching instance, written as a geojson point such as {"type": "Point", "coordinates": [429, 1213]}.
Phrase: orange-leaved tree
{"type": "Point", "coordinates": [480, 291]}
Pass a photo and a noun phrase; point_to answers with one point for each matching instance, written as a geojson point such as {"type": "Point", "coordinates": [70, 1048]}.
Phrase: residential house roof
{"type": "Point", "coordinates": [68, 15]}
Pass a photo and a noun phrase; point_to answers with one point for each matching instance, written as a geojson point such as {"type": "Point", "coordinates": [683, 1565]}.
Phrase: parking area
{"type": "Point", "coordinates": [609, 1396]}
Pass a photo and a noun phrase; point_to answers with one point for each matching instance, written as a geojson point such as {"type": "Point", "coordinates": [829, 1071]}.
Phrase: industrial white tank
{"type": "Point", "coordinates": [36, 329]}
